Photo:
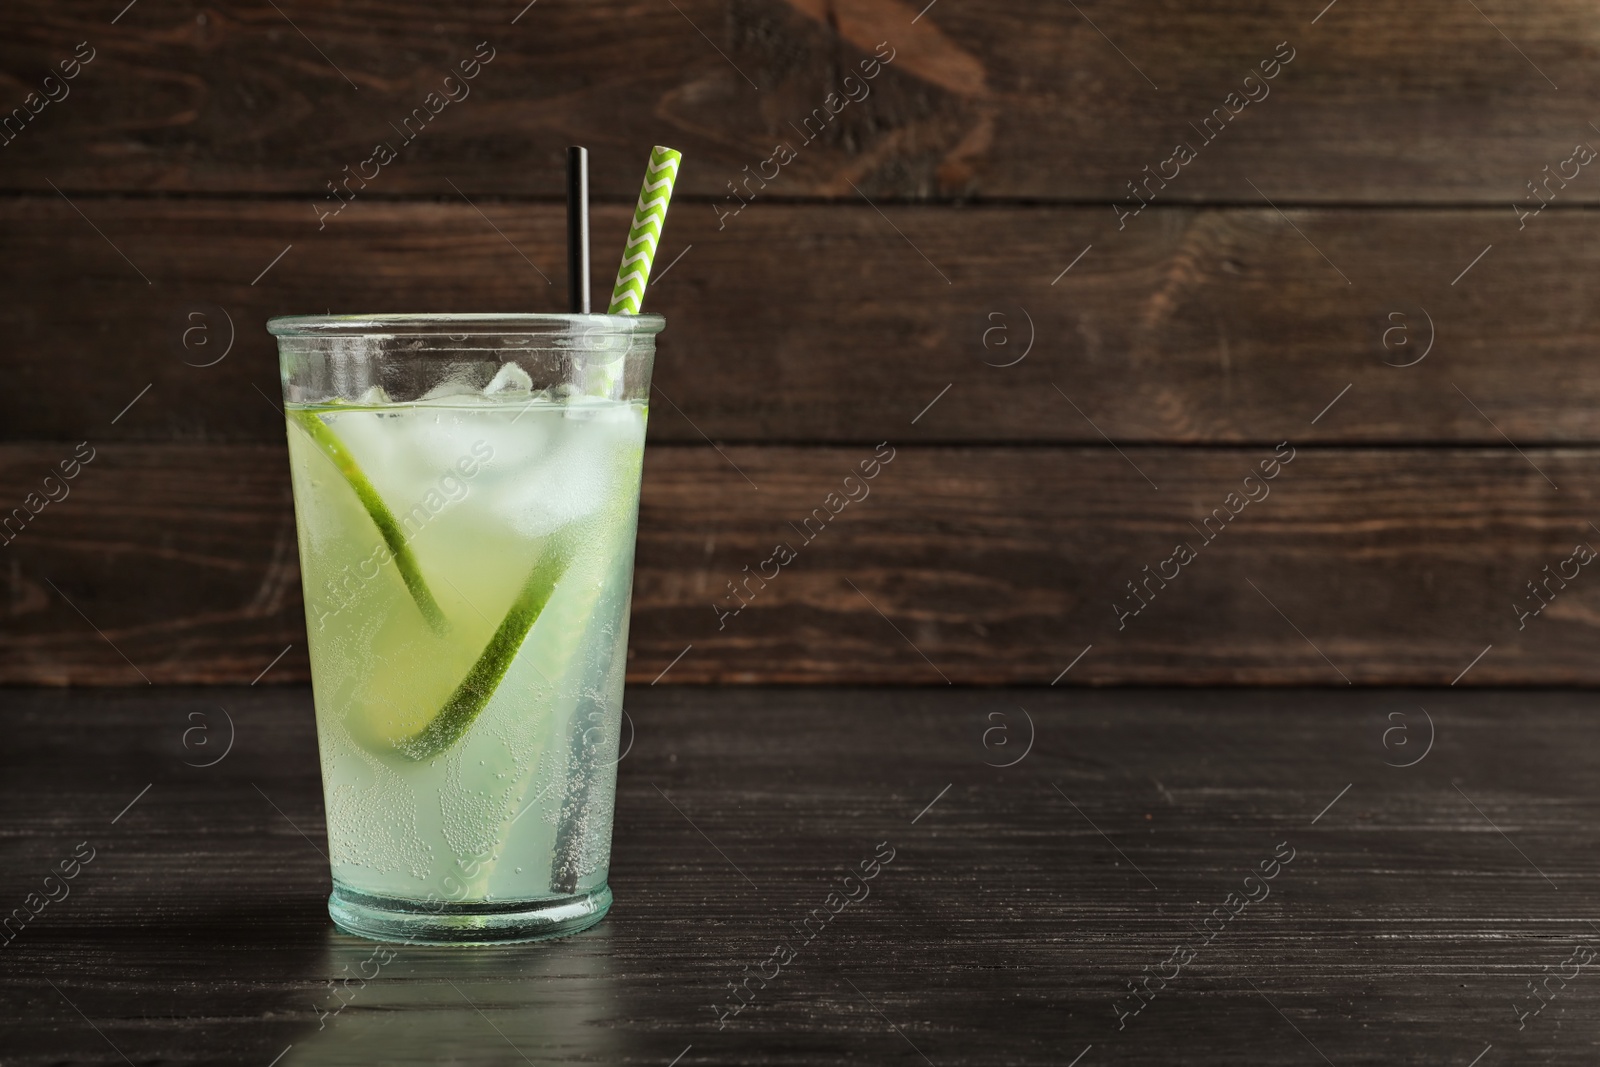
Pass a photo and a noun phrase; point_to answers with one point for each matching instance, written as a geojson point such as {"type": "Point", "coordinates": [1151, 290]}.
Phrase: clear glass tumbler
{"type": "Point", "coordinates": [466, 491]}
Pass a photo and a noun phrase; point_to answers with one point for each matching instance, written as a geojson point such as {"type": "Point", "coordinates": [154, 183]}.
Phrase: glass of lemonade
{"type": "Point", "coordinates": [466, 491]}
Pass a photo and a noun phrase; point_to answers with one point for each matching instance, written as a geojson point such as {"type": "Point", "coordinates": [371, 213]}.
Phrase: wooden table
{"type": "Point", "coordinates": [1019, 905]}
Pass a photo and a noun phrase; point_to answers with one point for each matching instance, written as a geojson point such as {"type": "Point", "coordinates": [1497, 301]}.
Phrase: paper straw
{"type": "Point", "coordinates": [648, 218]}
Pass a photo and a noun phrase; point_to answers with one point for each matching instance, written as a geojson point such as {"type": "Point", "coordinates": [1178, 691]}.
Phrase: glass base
{"type": "Point", "coordinates": [413, 923]}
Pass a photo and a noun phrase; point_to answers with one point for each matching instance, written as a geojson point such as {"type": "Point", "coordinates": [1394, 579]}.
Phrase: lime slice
{"type": "Point", "coordinates": [579, 563]}
{"type": "Point", "coordinates": [393, 537]}
{"type": "Point", "coordinates": [469, 698]}
{"type": "Point", "coordinates": [570, 637]}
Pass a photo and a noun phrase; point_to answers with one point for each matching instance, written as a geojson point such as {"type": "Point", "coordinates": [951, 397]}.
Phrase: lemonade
{"type": "Point", "coordinates": [466, 490]}
{"type": "Point", "coordinates": [467, 563]}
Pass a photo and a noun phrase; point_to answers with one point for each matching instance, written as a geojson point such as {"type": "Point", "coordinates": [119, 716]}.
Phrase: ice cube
{"type": "Point", "coordinates": [566, 468]}
{"type": "Point", "coordinates": [510, 378]}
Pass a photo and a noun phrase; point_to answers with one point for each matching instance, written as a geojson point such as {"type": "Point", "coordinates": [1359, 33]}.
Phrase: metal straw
{"type": "Point", "coordinates": [578, 230]}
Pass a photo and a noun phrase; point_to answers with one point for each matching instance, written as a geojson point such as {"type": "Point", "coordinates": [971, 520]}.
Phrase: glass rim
{"type": "Point", "coordinates": [444, 324]}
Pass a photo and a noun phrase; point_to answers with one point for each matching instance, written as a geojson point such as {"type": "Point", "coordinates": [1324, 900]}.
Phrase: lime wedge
{"type": "Point", "coordinates": [469, 698]}
{"type": "Point", "coordinates": [393, 537]}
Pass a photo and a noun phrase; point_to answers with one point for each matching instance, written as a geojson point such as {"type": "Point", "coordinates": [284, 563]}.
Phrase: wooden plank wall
{"type": "Point", "coordinates": [1381, 254]}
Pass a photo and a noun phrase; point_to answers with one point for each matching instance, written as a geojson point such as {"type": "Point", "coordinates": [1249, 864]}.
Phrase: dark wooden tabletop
{"type": "Point", "coordinates": [1261, 865]}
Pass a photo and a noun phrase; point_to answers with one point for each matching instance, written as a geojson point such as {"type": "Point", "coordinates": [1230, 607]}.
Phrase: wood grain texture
{"type": "Point", "coordinates": [1361, 215]}
{"type": "Point", "coordinates": [1418, 102]}
{"type": "Point", "coordinates": [972, 565]}
{"type": "Point", "coordinates": [1019, 903]}
{"type": "Point", "coordinates": [815, 323]}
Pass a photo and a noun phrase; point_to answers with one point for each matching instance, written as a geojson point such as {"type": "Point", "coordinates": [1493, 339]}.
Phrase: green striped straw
{"type": "Point", "coordinates": [648, 218]}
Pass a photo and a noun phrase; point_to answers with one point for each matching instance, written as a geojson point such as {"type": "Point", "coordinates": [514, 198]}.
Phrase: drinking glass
{"type": "Point", "coordinates": [466, 492]}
